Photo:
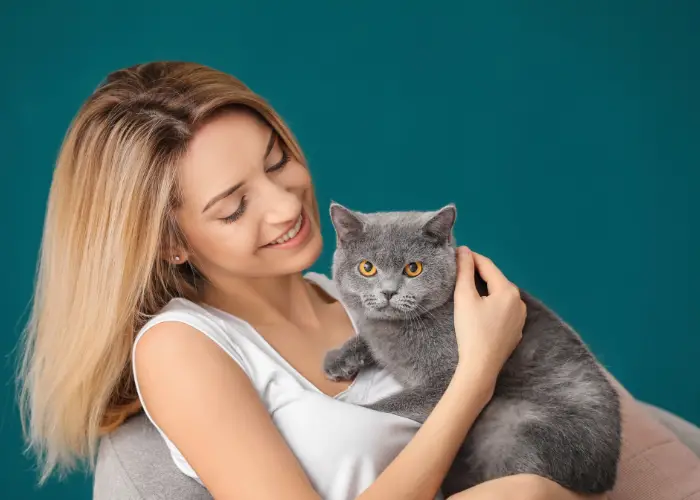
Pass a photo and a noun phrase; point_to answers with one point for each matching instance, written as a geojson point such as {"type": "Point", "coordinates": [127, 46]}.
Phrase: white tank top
{"type": "Point", "coordinates": [341, 446]}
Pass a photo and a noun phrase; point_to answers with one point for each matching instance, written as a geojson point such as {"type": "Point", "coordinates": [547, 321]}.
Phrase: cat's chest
{"type": "Point", "coordinates": [413, 351]}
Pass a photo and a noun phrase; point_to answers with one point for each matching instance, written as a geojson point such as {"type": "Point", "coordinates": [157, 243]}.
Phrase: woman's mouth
{"type": "Point", "coordinates": [294, 236]}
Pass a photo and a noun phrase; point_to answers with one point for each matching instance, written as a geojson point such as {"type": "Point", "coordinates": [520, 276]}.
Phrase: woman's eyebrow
{"type": "Point", "coordinates": [222, 195]}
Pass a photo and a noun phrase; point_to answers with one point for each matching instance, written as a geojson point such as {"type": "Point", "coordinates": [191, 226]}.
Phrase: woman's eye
{"type": "Point", "coordinates": [280, 164]}
{"type": "Point", "coordinates": [413, 269]}
{"type": "Point", "coordinates": [367, 269]}
{"type": "Point", "coordinates": [237, 214]}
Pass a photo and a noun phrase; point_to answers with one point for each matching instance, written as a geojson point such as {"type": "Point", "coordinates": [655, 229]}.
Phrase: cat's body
{"type": "Point", "coordinates": [553, 412]}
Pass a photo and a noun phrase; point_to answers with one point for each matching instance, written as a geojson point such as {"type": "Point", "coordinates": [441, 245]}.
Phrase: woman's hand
{"type": "Point", "coordinates": [488, 328]}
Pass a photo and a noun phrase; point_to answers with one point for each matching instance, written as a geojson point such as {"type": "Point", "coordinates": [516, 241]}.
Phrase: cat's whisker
{"type": "Point", "coordinates": [425, 311]}
{"type": "Point", "coordinates": [416, 323]}
{"type": "Point", "coordinates": [420, 323]}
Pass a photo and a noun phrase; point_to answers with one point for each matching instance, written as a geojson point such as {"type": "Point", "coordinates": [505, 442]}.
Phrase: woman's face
{"type": "Point", "coordinates": [247, 206]}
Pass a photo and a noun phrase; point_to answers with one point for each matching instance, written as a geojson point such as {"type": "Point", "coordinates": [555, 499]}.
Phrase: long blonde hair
{"type": "Point", "coordinates": [101, 271]}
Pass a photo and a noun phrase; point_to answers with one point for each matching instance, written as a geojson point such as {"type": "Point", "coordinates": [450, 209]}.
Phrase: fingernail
{"type": "Point", "coordinates": [464, 249]}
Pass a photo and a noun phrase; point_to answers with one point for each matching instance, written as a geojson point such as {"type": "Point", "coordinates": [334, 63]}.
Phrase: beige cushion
{"type": "Point", "coordinates": [655, 463]}
{"type": "Point", "coordinates": [134, 463]}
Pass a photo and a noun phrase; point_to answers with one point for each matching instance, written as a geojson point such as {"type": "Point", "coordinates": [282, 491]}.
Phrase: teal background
{"type": "Point", "coordinates": [566, 132]}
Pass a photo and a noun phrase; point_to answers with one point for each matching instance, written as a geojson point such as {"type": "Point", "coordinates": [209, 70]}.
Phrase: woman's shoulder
{"type": "Point", "coordinates": [225, 332]}
{"type": "Point", "coordinates": [182, 310]}
{"type": "Point", "coordinates": [173, 350]}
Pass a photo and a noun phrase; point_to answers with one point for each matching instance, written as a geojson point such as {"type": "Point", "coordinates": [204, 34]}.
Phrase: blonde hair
{"type": "Point", "coordinates": [101, 271]}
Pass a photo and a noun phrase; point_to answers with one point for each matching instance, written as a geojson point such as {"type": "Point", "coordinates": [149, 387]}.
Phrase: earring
{"type": "Point", "coordinates": [177, 258]}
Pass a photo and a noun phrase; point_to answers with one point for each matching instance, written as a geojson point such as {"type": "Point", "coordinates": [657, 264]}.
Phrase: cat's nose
{"type": "Point", "coordinates": [388, 294]}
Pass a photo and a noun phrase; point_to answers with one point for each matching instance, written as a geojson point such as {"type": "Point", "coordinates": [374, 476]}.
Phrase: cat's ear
{"type": "Point", "coordinates": [439, 226]}
{"type": "Point", "coordinates": [347, 223]}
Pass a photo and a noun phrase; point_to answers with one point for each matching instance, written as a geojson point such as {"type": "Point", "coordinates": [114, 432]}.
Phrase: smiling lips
{"type": "Point", "coordinates": [289, 234]}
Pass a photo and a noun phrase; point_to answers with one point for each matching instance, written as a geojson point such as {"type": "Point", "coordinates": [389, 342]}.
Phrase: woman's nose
{"type": "Point", "coordinates": [283, 205]}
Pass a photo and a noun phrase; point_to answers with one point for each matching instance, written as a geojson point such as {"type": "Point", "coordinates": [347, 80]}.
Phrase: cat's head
{"type": "Point", "coordinates": [394, 265]}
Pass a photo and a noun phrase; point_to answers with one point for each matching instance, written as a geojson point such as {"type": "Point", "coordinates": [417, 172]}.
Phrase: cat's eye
{"type": "Point", "coordinates": [413, 269]}
{"type": "Point", "coordinates": [367, 268]}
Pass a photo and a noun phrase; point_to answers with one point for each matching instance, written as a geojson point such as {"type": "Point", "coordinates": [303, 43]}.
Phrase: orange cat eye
{"type": "Point", "coordinates": [413, 269]}
{"type": "Point", "coordinates": [367, 268]}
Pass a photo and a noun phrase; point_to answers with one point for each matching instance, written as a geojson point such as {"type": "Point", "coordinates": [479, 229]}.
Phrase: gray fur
{"type": "Point", "coordinates": [553, 412]}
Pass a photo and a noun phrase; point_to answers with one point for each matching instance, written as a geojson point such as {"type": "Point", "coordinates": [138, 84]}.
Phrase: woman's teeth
{"type": "Point", "coordinates": [290, 234]}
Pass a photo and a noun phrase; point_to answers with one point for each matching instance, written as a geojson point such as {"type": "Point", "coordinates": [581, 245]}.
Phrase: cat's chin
{"type": "Point", "coordinates": [387, 313]}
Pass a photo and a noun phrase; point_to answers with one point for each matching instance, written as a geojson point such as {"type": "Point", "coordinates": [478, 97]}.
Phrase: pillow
{"type": "Point", "coordinates": [134, 462]}
{"type": "Point", "coordinates": [688, 433]}
{"type": "Point", "coordinates": [655, 464]}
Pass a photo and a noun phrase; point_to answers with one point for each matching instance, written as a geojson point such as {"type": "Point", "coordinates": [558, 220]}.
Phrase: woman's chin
{"type": "Point", "coordinates": [311, 253]}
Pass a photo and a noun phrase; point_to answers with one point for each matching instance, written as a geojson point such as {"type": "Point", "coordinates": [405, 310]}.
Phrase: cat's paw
{"type": "Point", "coordinates": [338, 367]}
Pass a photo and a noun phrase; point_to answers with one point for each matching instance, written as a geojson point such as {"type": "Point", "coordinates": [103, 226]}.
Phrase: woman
{"type": "Point", "coordinates": [180, 219]}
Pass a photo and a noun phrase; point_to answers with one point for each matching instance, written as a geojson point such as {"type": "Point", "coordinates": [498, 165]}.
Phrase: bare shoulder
{"type": "Point", "coordinates": [171, 357]}
{"type": "Point", "coordinates": [207, 406]}
{"type": "Point", "coordinates": [174, 342]}
{"type": "Point", "coordinates": [179, 371]}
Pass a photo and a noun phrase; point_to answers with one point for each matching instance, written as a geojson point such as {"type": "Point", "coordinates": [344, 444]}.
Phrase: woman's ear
{"type": "Point", "coordinates": [175, 257]}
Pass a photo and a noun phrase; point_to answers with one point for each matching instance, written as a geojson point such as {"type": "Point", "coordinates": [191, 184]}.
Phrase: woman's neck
{"type": "Point", "coordinates": [269, 301]}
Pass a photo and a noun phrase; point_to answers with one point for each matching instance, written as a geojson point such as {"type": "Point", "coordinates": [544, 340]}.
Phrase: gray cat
{"type": "Point", "coordinates": [553, 412]}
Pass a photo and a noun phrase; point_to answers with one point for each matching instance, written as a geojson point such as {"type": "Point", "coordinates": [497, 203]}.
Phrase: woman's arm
{"type": "Point", "coordinates": [418, 471]}
{"type": "Point", "coordinates": [521, 487]}
{"type": "Point", "coordinates": [206, 405]}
